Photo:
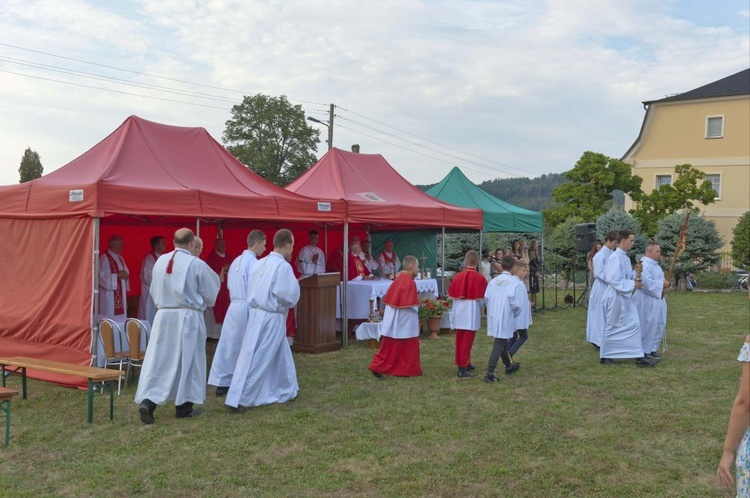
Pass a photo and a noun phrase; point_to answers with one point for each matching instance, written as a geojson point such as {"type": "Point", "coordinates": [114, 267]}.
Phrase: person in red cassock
{"type": "Point", "coordinates": [356, 268]}
{"type": "Point", "coordinates": [399, 342]}
{"type": "Point", "coordinates": [219, 262]}
{"type": "Point", "coordinates": [467, 292]}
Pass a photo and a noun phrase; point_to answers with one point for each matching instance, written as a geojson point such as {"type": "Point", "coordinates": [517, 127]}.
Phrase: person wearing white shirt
{"type": "Point", "coordinates": [388, 262]}
{"type": "Point", "coordinates": [113, 281]}
{"type": "Point", "coordinates": [311, 259]}
{"type": "Point", "coordinates": [370, 262]}
{"type": "Point", "coordinates": [504, 299]}
{"type": "Point", "coordinates": [652, 307]}
{"type": "Point", "coordinates": [595, 317]}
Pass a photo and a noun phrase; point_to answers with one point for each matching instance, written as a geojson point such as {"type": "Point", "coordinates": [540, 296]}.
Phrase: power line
{"type": "Point", "coordinates": [142, 73]}
{"type": "Point", "coordinates": [433, 142]}
{"type": "Point", "coordinates": [408, 149]}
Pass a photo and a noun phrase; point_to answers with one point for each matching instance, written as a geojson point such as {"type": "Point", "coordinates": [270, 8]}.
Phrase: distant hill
{"type": "Point", "coordinates": [529, 193]}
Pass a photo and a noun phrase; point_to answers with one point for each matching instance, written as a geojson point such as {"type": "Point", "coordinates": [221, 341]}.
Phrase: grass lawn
{"type": "Point", "coordinates": [564, 425]}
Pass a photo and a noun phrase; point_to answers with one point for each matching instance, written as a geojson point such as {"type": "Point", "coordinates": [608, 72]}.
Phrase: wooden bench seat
{"type": "Point", "coordinates": [92, 374]}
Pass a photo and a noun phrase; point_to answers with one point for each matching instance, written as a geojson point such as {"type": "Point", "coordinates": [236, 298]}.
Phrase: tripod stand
{"type": "Point", "coordinates": [582, 300]}
{"type": "Point", "coordinates": [544, 303]}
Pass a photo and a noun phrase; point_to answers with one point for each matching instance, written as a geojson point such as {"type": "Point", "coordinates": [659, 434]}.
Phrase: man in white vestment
{"type": "Point", "coordinates": [146, 307]}
{"type": "Point", "coordinates": [265, 371]}
{"type": "Point", "coordinates": [366, 257]}
{"type": "Point", "coordinates": [622, 332]}
{"type": "Point", "coordinates": [311, 259]}
{"type": "Point", "coordinates": [113, 281]}
{"type": "Point", "coordinates": [235, 322]}
{"type": "Point", "coordinates": [174, 368]}
{"type": "Point", "coordinates": [388, 262]}
{"type": "Point", "coordinates": [595, 317]}
{"type": "Point", "coordinates": [652, 307]}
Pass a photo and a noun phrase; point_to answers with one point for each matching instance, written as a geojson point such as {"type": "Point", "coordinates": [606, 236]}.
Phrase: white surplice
{"type": "Point", "coordinates": [652, 309]}
{"type": "Point", "coordinates": [390, 268]}
{"type": "Point", "coordinates": [503, 298]}
{"type": "Point", "coordinates": [235, 322]}
{"type": "Point", "coordinates": [595, 317]}
{"type": "Point", "coordinates": [523, 320]}
{"type": "Point", "coordinates": [400, 323]}
{"type": "Point", "coordinates": [146, 306]}
{"type": "Point", "coordinates": [265, 371]}
{"type": "Point", "coordinates": [175, 364]}
{"type": "Point", "coordinates": [305, 266]}
{"type": "Point", "coordinates": [622, 332]}
{"type": "Point", "coordinates": [108, 287]}
{"type": "Point", "coordinates": [467, 314]}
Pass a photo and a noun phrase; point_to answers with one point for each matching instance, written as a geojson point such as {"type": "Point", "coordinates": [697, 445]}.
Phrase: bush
{"type": "Point", "coordinates": [617, 219]}
{"type": "Point", "coordinates": [702, 243]}
{"type": "Point", "coordinates": [741, 242]}
{"type": "Point", "coordinates": [715, 280]}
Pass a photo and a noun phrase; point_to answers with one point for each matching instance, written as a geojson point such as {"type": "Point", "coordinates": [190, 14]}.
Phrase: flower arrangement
{"type": "Point", "coordinates": [433, 307]}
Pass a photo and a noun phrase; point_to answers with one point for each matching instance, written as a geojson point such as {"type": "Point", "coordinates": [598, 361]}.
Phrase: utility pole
{"type": "Point", "coordinates": [330, 127]}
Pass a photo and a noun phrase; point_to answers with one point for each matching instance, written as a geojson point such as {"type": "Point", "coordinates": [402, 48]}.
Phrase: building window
{"type": "Point", "coordinates": [716, 183]}
{"type": "Point", "coordinates": [715, 127]}
{"type": "Point", "coordinates": [663, 180]}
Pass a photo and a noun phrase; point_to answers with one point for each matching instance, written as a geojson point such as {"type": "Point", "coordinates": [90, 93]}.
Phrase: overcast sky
{"type": "Point", "coordinates": [498, 88]}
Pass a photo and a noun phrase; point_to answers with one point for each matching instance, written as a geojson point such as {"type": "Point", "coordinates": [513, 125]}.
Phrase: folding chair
{"type": "Point", "coordinates": [135, 329]}
{"type": "Point", "coordinates": [110, 337]}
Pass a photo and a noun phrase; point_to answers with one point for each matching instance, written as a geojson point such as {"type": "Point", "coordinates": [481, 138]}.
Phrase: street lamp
{"type": "Point", "coordinates": [328, 125]}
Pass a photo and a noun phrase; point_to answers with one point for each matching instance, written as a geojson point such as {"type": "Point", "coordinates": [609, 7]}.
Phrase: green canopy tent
{"type": "Point", "coordinates": [499, 216]}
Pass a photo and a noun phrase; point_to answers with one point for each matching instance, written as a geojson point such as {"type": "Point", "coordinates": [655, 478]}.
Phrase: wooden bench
{"type": "Point", "coordinates": [93, 374]}
{"type": "Point", "coordinates": [5, 396]}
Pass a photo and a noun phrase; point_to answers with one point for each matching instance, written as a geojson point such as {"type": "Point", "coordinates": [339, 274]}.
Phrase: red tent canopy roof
{"type": "Point", "coordinates": [375, 193]}
{"type": "Point", "coordinates": [151, 169]}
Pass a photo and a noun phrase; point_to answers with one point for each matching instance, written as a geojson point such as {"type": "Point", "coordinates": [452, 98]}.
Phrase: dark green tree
{"type": "Point", "coordinates": [271, 137]}
{"type": "Point", "coordinates": [741, 242]}
{"type": "Point", "coordinates": [31, 166]}
{"type": "Point", "coordinates": [617, 219]}
{"type": "Point", "coordinates": [701, 246]}
{"type": "Point", "coordinates": [587, 191]}
{"type": "Point", "coordinates": [561, 253]}
{"type": "Point", "coordinates": [688, 187]}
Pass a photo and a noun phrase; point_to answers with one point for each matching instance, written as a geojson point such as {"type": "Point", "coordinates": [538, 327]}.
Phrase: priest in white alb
{"type": "Point", "coordinates": [235, 322]}
{"type": "Point", "coordinates": [622, 332]}
{"type": "Point", "coordinates": [595, 314]}
{"type": "Point", "coordinates": [311, 259]}
{"type": "Point", "coordinates": [113, 281]}
{"type": "Point", "coordinates": [146, 307]}
{"type": "Point", "coordinates": [174, 368]}
{"type": "Point", "coordinates": [652, 307]}
{"type": "Point", "coordinates": [388, 262]}
{"type": "Point", "coordinates": [265, 371]}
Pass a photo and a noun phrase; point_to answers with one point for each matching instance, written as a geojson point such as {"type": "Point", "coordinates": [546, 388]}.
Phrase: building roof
{"type": "Point", "coordinates": [736, 84]}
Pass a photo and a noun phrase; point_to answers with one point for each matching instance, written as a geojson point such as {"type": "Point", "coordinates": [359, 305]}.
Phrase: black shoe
{"type": "Point", "coordinates": [513, 367]}
{"type": "Point", "coordinates": [221, 392]}
{"type": "Point", "coordinates": [191, 413]}
{"type": "Point", "coordinates": [147, 415]}
{"type": "Point", "coordinates": [490, 377]}
{"type": "Point", "coordinates": [377, 374]}
{"type": "Point", "coordinates": [654, 355]}
{"type": "Point", "coordinates": [646, 362]}
{"type": "Point", "coordinates": [471, 367]}
{"type": "Point", "coordinates": [607, 361]}
{"type": "Point", "coordinates": [464, 373]}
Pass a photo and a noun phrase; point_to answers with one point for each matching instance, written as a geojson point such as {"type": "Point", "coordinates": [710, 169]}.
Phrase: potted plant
{"type": "Point", "coordinates": [432, 309]}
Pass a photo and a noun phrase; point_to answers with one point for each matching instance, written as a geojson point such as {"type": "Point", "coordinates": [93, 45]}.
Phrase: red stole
{"type": "Point", "coordinates": [403, 292]}
{"type": "Point", "coordinates": [468, 284]}
{"type": "Point", "coordinates": [388, 260]}
{"type": "Point", "coordinates": [119, 305]}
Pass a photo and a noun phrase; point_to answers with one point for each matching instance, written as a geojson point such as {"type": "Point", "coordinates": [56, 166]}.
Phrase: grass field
{"type": "Point", "coordinates": [564, 425]}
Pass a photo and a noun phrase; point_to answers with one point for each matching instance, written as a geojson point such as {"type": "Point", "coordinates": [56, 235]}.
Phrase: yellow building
{"type": "Point", "coordinates": [709, 128]}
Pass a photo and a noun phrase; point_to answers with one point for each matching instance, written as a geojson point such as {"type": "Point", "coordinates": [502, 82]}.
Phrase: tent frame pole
{"type": "Point", "coordinates": [94, 287]}
{"type": "Point", "coordinates": [442, 264]}
{"type": "Point", "coordinates": [197, 227]}
{"type": "Point", "coordinates": [344, 317]}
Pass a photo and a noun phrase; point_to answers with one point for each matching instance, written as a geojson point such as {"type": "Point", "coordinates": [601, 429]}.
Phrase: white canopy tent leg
{"type": "Point", "coordinates": [345, 271]}
{"type": "Point", "coordinates": [442, 264]}
{"type": "Point", "coordinates": [94, 289]}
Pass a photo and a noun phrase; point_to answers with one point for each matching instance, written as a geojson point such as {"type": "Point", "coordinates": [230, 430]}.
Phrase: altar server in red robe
{"type": "Point", "coordinates": [467, 292]}
{"type": "Point", "coordinates": [399, 343]}
{"type": "Point", "coordinates": [219, 261]}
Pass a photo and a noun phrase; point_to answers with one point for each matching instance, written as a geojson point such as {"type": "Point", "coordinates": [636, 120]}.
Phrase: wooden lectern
{"type": "Point", "coordinates": [316, 314]}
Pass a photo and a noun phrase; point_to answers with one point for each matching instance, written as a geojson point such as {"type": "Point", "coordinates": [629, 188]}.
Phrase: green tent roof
{"type": "Point", "coordinates": [499, 216]}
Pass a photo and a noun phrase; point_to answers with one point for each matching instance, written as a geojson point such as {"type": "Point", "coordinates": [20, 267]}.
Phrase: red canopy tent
{"type": "Point", "coordinates": [376, 194]}
{"type": "Point", "coordinates": [143, 177]}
